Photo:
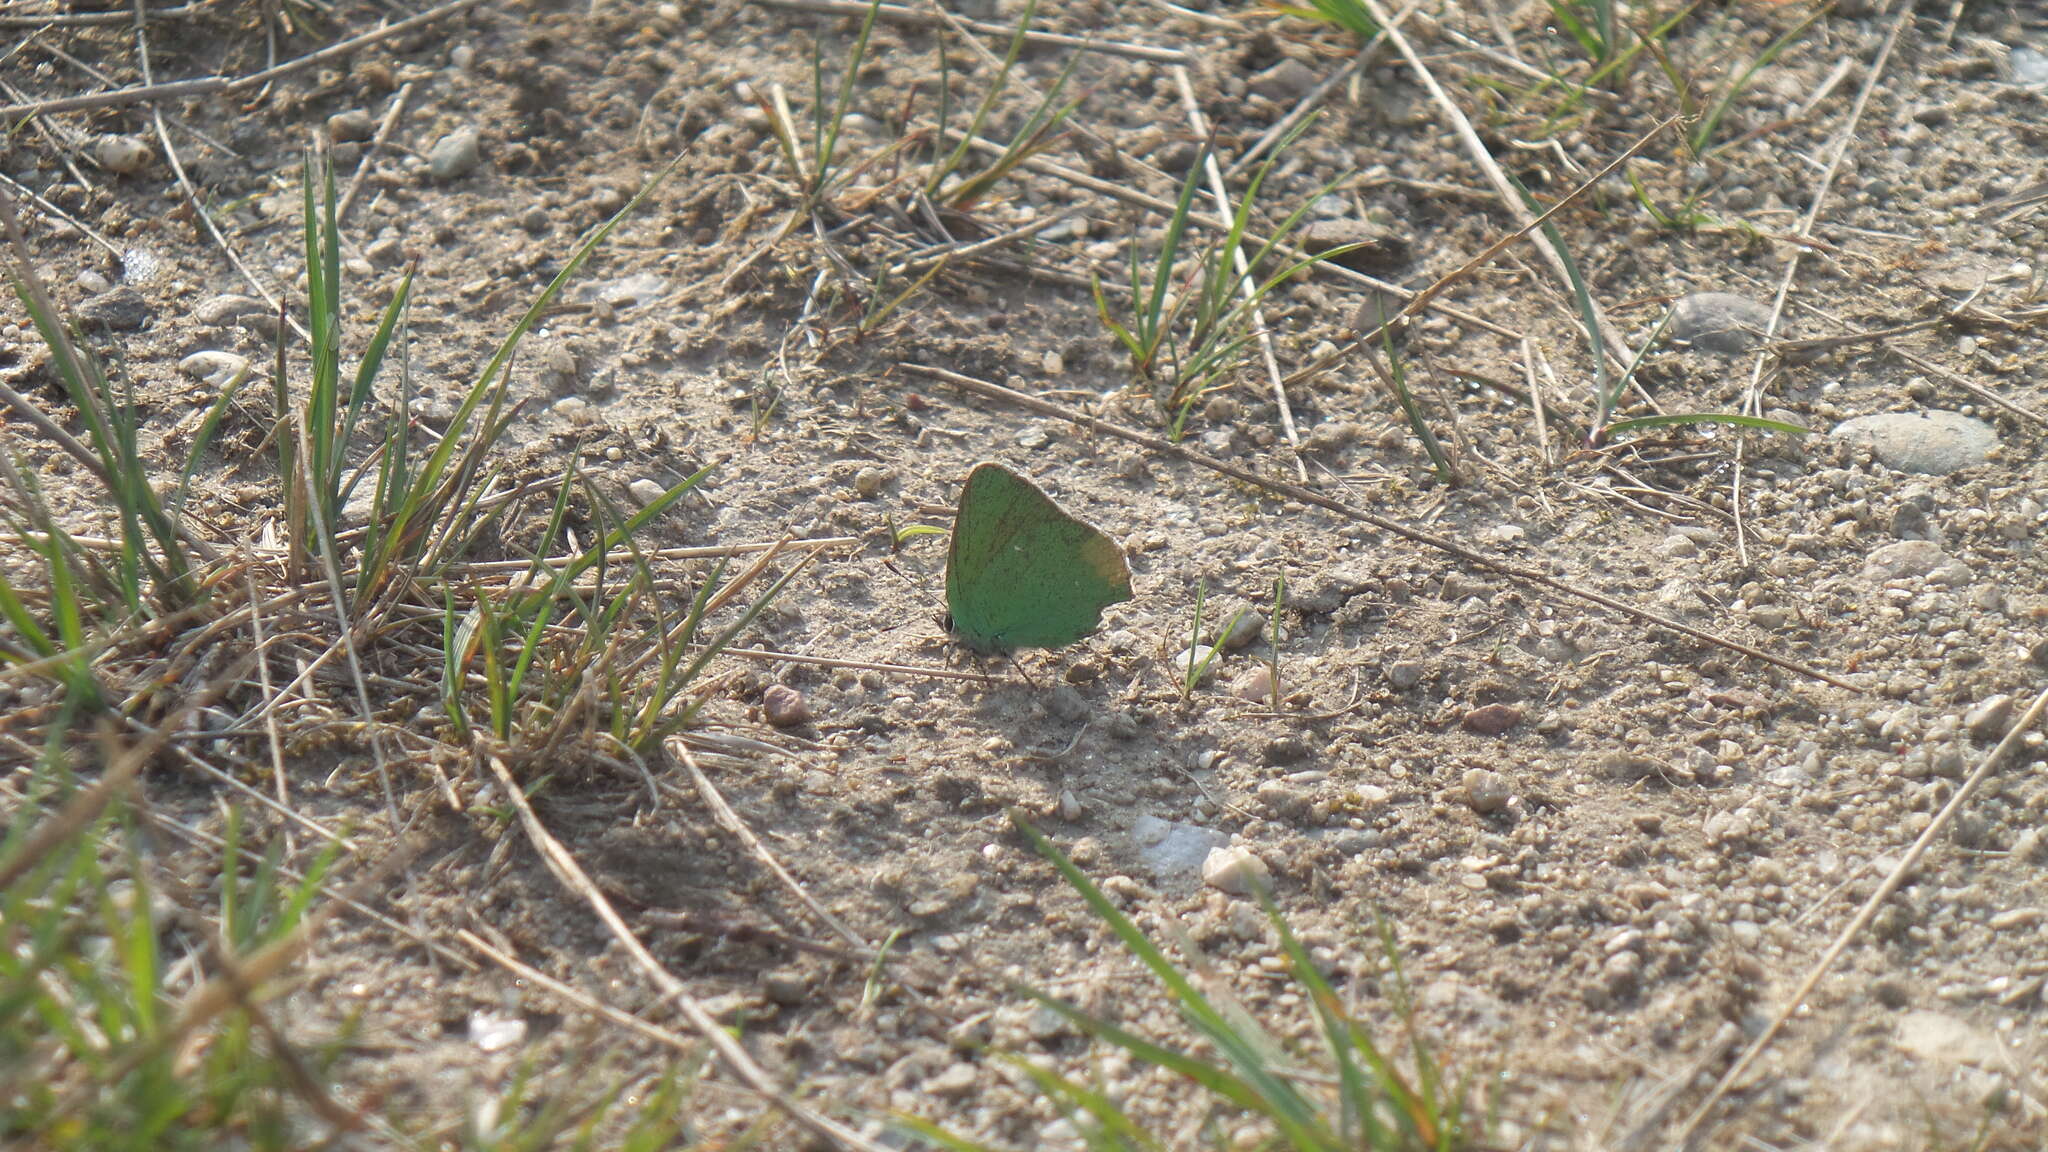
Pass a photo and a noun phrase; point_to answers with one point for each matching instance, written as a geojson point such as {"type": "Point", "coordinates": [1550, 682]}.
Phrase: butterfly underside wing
{"type": "Point", "coordinates": [1022, 573]}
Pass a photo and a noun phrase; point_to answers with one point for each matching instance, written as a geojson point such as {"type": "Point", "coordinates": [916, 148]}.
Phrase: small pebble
{"type": "Point", "coordinates": [785, 986]}
{"type": "Point", "coordinates": [91, 282]}
{"type": "Point", "coordinates": [869, 482]}
{"type": "Point", "coordinates": [953, 1083]}
{"type": "Point", "coordinates": [214, 368]}
{"type": "Point", "coordinates": [1492, 719]}
{"type": "Point", "coordinates": [1405, 674]}
{"type": "Point", "coordinates": [644, 491]}
{"type": "Point", "coordinates": [1255, 685]}
{"type": "Point", "coordinates": [1988, 721]}
{"type": "Point", "coordinates": [120, 310]}
{"type": "Point", "coordinates": [1486, 790]}
{"type": "Point", "coordinates": [1071, 807]}
{"type": "Point", "coordinates": [121, 155]}
{"type": "Point", "coordinates": [1929, 443]}
{"type": "Point", "coordinates": [228, 308]}
{"type": "Point", "coordinates": [1721, 323]}
{"type": "Point", "coordinates": [1198, 662]}
{"type": "Point", "coordinates": [455, 155]}
{"type": "Point", "coordinates": [351, 126]}
{"type": "Point", "coordinates": [1235, 870]}
{"type": "Point", "coordinates": [784, 707]}
{"type": "Point", "coordinates": [462, 57]}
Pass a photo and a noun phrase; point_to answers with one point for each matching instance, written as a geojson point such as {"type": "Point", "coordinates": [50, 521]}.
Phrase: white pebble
{"type": "Point", "coordinates": [123, 155]}
{"type": "Point", "coordinates": [214, 367]}
{"type": "Point", "coordinates": [645, 491]}
{"type": "Point", "coordinates": [1235, 870]}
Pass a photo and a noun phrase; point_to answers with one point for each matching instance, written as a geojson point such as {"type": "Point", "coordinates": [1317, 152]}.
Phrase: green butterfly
{"type": "Point", "coordinates": [1020, 573]}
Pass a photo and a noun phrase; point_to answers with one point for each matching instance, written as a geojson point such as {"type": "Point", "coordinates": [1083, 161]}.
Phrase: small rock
{"type": "Point", "coordinates": [953, 1083]}
{"type": "Point", "coordinates": [1486, 791]}
{"type": "Point", "coordinates": [1721, 323]}
{"type": "Point", "coordinates": [1931, 443]}
{"type": "Point", "coordinates": [495, 1033]}
{"type": "Point", "coordinates": [1491, 719]}
{"type": "Point", "coordinates": [455, 155]}
{"type": "Point", "coordinates": [1372, 248]}
{"type": "Point", "coordinates": [351, 126]}
{"type": "Point", "coordinates": [1255, 685]}
{"type": "Point", "coordinates": [228, 308]}
{"type": "Point", "coordinates": [868, 482]}
{"type": "Point", "coordinates": [1726, 827]}
{"type": "Point", "coordinates": [784, 707]}
{"type": "Point", "coordinates": [121, 155]}
{"type": "Point", "coordinates": [1620, 971]}
{"type": "Point", "coordinates": [212, 367]}
{"type": "Point", "coordinates": [1245, 629]}
{"type": "Point", "coordinates": [1235, 870]}
{"type": "Point", "coordinates": [1071, 808]}
{"type": "Point", "coordinates": [1904, 559]}
{"type": "Point", "coordinates": [1284, 800]}
{"type": "Point", "coordinates": [1171, 850]}
{"type": "Point", "coordinates": [1677, 548]}
{"type": "Point", "coordinates": [1405, 674]}
{"type": "Point", "coordinates": [785, 986]}
{"type": "Point", "coordinates": [385, 252]}
{"type": "Point", "coordinates": [91, 282]}
{"type": "Point", "coordinates": [1989, 720]}
{"type": "Point", "coordinates": [1198, 663]}
{"type": "Point", "coordinates": [120, 310]}
{"type": "Point", "coordinates": [2029, 67]}
{"type": "Point", "coordinates": [1940, 1038]}
{"type": "Point", "coordinates": [1769, 617]}
{"type": "Point", "coordinates": [1286, 82]}
{"type": "Point", "coordinates": [645, 491]}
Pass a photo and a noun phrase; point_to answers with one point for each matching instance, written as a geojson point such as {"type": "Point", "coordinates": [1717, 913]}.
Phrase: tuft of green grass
{"type": "Point", "coordinates": [1350, 15]}
{"type": "Point", "coordinates": [1352, 1096]}
{"type": "Point", "coordinates": [1192, 669]}
{"type": "Point", "coordinates": [1189, 323]}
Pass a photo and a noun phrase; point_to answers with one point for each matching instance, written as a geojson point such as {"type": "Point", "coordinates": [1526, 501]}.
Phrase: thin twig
{"type": "Point", "coordinates": [1427, 539]}
{"type": "Point", "coordinates": [1606, 336]}
{"type": "Point", "coordinates": [1892, 882]}
{"type": "Point", "coordinates": [383, 136]}
{"type": "Point", "coordinates": [1245, 288]}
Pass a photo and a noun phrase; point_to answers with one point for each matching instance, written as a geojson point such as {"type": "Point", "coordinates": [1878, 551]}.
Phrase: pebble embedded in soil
{"type": "Point", "coordinates": [1722, 323]}
{"type": "Point", "coordinates": [1378, 249]}
{"type": "Point", "coordinates": [1173, 850]}
{"type": "Point", "coordinates": [1406, 674]}
{"type": "Point", "coordinates": [1235, 870]}
{"type": "Point", "coordinates": [455, 155]}
{"type": "Point", "coordinates": [1286, 82]}
{"type": "Point", "coordinates": [1199, 662]}
{"type": "Point", "coordinates": [121, 310]}
{"type": "Point", "coordinates": [869, 482]}
{"type": "Point", "coordinates": [1932, 443]}
{"type": "Point", "coordinates": [213, 367]}
{"type": "Point", "coordinates": [227, 308]}
{"type": "Point", "coordinates": [122, 155]}
{"type": "Point", "coordinates": [1255, 685]}
{"type": "Point", "coordinates": [1940, 1038]}
{"type": "Point", "coordinates": [350, 126]}
{"type": "Point", "coordinates": [784, 707]}
{"type": "Point", "coordinates": [1486, 791]}
{"type": "Point", "coordinates": [1989, 720]}
{"type": "Point", "coordinates": [1492, 719]}
{"type": "Point", "coordinates": [645, 491]}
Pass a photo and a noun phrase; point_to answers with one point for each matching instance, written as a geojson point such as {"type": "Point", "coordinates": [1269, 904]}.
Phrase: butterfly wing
{"type": "Point", "coordinates": [1021, 573]}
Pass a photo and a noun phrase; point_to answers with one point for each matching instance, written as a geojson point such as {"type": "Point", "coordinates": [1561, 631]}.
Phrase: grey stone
{"type": "Point", "coordinates": [1989, 720]}
{"type": "Point", "coordinates": [228, 308]}
{"type": "Point", "coordinates": [1933, 443]}
{"type": "Point", "coordinates": [1903, 559]}
{"type": "Point", "coordinates": [456, 155]}
{"type": "Point", "coordinates": [2029, 67]}
{"type": "Point", "coordinates": [1719, 322]}
{"type": "Point", "coordinates": [121, 310]}
{"type": "Point", "coordinates": [1173, 850]}
{"type": "Point", "coordinates": [1286, 82]}
{"type": "Point", "coordinates": [1377, 249]}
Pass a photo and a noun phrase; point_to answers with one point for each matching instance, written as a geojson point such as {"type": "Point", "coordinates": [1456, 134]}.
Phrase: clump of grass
{"type": "Point", "coordinates": [1189, 322]}
{"type": "Point", "coordinates": [1359, 1098]}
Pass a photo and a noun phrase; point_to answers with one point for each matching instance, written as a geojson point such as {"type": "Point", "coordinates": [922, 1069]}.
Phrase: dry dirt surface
{"type": "Point", "coordinates": [1609, 852]}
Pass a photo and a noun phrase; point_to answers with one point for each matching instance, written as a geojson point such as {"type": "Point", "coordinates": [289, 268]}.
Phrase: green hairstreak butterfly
{"type": "Point", "coordinates": [1021, 573]}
